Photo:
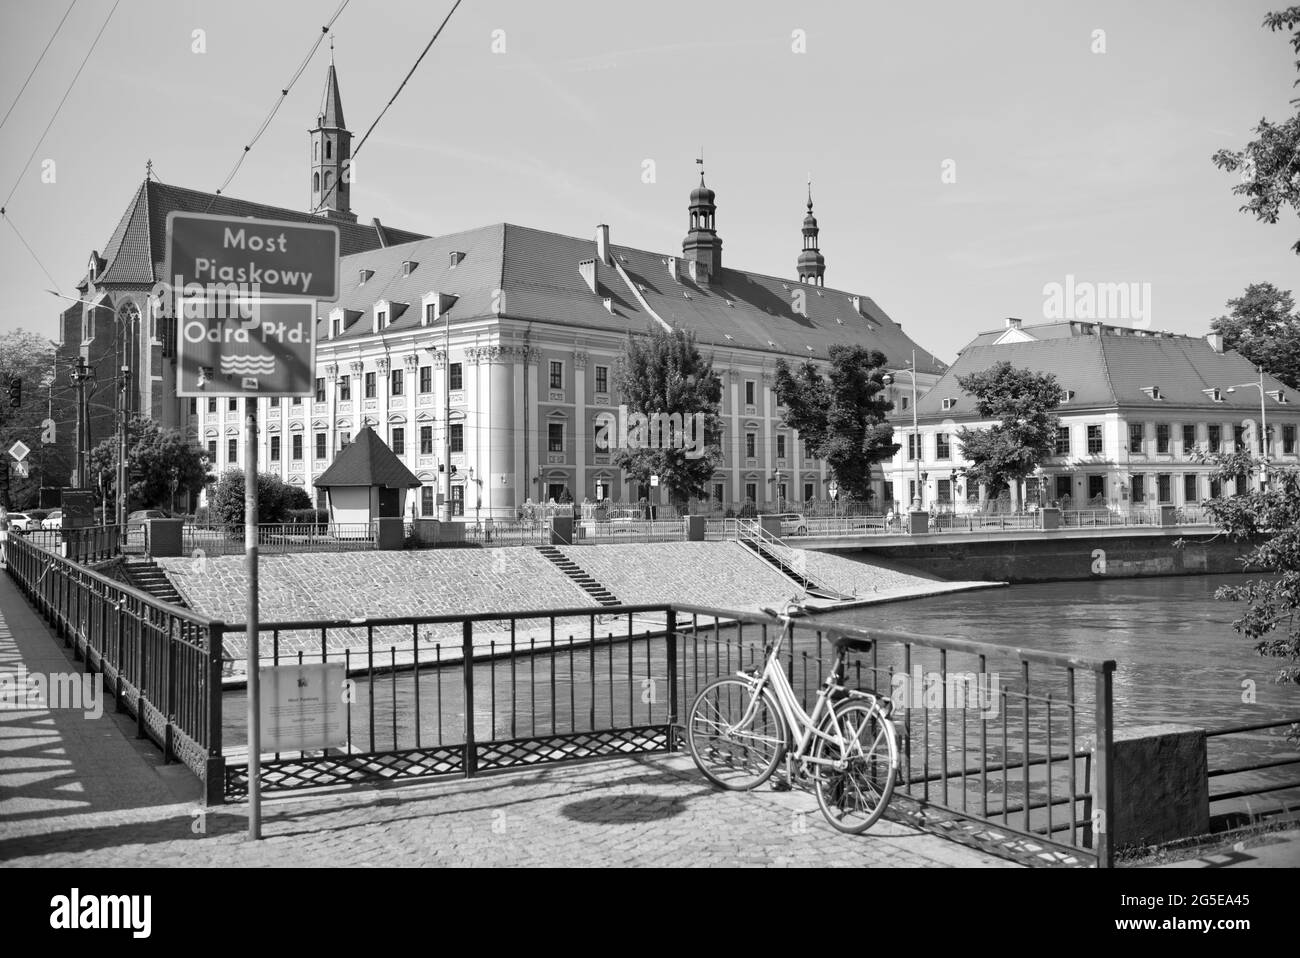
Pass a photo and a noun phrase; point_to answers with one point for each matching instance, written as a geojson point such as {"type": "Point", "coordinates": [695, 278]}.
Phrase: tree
{"type": "Point", "coordinates": [841, 416]}
{"type": "Point", "coordinates": [275, 499]}
{"type": "Point", "coordinates": [1273, 515]}
{"type": "Point", "coordinates": [1269, 166]}
{"type": "Point", "coordinates": [155, 456]}
{"type": "Point", "coordinates": [672, 396]}
{"type": "Point", "coordinates": [1021, 401]}
{"type": "Point", "coordinates": [31, 359]}
{"type": "Point", "coordinates": [1264, 326]}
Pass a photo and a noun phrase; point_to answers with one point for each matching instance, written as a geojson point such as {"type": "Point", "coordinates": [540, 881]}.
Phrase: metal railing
{"type": "Point", "coordinates": [161, 663]}
{"type": "Point", "coordinates": [1263, 753]}
{"type": "Point", "coordinates": [83, 543]}
{"type": "Point", "coordinates": [281, 538]}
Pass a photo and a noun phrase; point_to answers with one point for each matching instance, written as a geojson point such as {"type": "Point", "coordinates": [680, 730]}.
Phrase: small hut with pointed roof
{"type": "Point", "coordinates": [366, 481]}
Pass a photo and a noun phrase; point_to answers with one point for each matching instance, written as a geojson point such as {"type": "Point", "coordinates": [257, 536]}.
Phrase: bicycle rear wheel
{"type": "Point", "coordinates": [731, 754]}
{"type": "Point", "coordinates": [854, 796]}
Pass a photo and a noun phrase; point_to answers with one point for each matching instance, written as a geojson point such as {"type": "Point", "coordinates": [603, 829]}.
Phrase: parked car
{"type": "Point", "coordinates": [22, 522]}
{"type": "Point", "coordinates": [137, 519]}
{"type": "Point", "coordinates": [793, 524]}
{"type": "Point", "coordinates": [54, 520]}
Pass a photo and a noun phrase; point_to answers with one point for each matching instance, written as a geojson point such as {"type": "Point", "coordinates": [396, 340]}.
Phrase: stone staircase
{"type": "Point", "coordinates": [575, 572]}
{"type": "Point", "coordinates": [145, 575]}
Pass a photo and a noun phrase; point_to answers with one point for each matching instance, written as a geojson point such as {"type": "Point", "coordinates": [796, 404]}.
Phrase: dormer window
{"type": "Point", "coordinates": [454, 257]}
{"type": "Point", "coordinates": [365, 275]}
{"type": "Point", "coordinates": [838, 321]}
{"type": "Point", "coordinates": [381, 319]}
{"type": "Point", "coordinates": [1154, 392]}
{"type": "Point", "coordinates": [949, 403]}
{"type": "Point", "coordinates": [1066, 395]}
{"type": "Point", "coordinates": [1215, 394]}
{"type": "Point", "coordinates": [408, 266]}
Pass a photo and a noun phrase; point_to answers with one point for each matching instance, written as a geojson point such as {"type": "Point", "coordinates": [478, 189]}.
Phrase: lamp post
{"type": "Point", "coordinates": [1263, 423]}
{"type": "Point", "coordinates": [888, 380]}
{"type": "Point", "coordinates": [776, 490]}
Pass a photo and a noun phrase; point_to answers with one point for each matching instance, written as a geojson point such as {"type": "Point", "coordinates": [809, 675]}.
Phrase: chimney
{"type": "Point", "coordinates": [1215, 340]}
{"type": "Point", "coordinates": [602, 243]}
{"type": "Point", "coordinates": [1014, 323]}
{"type": "Point", "coordinates": [588, 270]}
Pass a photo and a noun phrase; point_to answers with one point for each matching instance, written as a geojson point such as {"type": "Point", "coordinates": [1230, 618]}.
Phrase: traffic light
{"type": "Point", "coordinates": [15, 392]}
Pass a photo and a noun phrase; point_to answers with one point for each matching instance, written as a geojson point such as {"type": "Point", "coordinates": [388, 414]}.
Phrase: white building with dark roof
{"type": "Point", "coordinates": [1135, 407]}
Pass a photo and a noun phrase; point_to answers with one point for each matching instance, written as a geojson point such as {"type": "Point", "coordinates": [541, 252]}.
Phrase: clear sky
{"type": "Point", "coordinates": [1067, 161]}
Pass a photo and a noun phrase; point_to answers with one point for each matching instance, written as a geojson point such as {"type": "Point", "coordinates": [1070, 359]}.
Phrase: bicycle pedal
{"type": "Point", "coordinates": [781, 786]}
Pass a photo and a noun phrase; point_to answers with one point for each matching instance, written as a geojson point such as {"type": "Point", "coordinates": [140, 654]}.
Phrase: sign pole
{"type": "Point", "coordinates": [254, 657]}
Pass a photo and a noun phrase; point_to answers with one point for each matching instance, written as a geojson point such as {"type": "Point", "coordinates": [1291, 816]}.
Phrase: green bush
{"type": "Point", "coordinates": [275, 498]}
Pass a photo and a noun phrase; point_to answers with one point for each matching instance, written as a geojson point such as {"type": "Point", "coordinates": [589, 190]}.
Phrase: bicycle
{"type": "Point", "coordinates": [741, 727]}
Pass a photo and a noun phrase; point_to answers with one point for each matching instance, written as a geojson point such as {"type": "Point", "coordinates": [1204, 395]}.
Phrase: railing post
{"type": "Point", "coordinates": [467, 667]}
{"type": "Point", "coordinates": [671, 651]}
{"type": "Point", "coordinates": [1104, 782]}
{"type": "Point", "coordinates": [214, 776]}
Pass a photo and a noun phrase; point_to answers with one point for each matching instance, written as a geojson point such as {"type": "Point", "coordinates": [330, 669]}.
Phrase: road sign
{"type": "Point", "coordinates": [19, 451]}
{"type": "Point", "coordinates": [270, 354]}
{"type": "Point", "coordinates": [22, 470]}
{"type": "Point", "coordinates": [262, 257]}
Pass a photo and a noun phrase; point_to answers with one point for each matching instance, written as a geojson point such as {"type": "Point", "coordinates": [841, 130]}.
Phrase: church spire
{"type": "Point", "coordinates": [811, 264]}
{"type": "Point", "coordinates": [331, 154]}
{"type": "Point", "coordinates": [702, 247]}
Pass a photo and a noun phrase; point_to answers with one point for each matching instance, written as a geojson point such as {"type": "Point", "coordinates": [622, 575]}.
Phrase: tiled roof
{"type": "Point", "coordinates": [367, 461]}
{"type": "Point", "coordinates": [331, 107]}
{"type": "Point", "coordinates": [1109, 372]}
{"type": "Point", "coordinates": [537, 275]}
{"type": "Point", "coordinates": [137, 249]}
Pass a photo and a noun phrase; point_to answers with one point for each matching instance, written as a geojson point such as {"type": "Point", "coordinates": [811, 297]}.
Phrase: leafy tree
{"type": "Point", "coordinates": [1264, 326]}
{"type": "Point", "coordinates": [155, 456]}
{"type": "Point", "coordinates": [1021, 401]}
{"type": "Point", "coordinates": [663, 376]}
{"type": "Point", "coordinates": [31, 359]}
{"type": "Point", "coordinates": [841, 416]}
{"type": "Point", "coordinates": [1269, 166]}
{"type": "Point", "coordinates": [275, 499]}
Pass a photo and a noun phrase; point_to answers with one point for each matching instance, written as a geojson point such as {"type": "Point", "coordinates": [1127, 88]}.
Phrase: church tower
{"type": "Point", "coordinates": [702, 246]}
{"type": "Point", "coordinates": [811, 263]}
{"type": "Point", "coordinates": [331, 154]}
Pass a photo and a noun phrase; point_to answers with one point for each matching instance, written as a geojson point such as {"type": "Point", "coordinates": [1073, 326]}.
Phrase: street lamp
{"type": "Point", "coordinates": [1263, 420]}
{"type": "Point", "coordinates": [776, 489]}
{"type": "Point", "coordinates": [888, 380]}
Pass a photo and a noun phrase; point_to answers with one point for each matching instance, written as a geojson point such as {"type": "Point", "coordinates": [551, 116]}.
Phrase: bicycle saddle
{"type": "Point", "coordinates": [850, 643]}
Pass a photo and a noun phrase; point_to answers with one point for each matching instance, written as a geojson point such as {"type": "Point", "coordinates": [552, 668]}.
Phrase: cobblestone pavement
{"type": "Point", "coordinates": [646, 811]}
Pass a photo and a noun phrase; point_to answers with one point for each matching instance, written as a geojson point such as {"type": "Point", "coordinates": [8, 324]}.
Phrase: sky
{"type": "Point", "coordinates": [964, 155]}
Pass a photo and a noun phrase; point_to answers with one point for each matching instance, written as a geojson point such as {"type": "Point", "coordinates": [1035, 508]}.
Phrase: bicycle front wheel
{"type": "Point", "coordinates": [734, 745]}
{"type": "Point", "coordinates": [854, 792]}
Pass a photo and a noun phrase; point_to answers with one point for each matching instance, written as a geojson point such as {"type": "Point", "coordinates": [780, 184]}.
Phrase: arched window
{"type": "Point", "coordinates": [329, 149]}
{"type": "Point", "coordinates": [315, 150]}
{"type": "Point", "coordinates": [315, 182]}
{"type": "Point", "coordinates": [329, 179]}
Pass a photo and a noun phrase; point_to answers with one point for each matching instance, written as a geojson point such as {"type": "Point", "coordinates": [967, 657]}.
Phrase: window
{"type": "Point", "coordinates": [557, 375]}
{"type": "Point", "coordinates": [1189, 438]}
{"type": "Point", "coordinates": [232, 405]}
{"type": "Point", "coordinates": [457, 500]}
{"type": "Point", "coordinates": [1162, 437]}
{"type": "Point", "coordinates": [905, 402]}
{"type": "Point", "coordinates": [949, 403]}
{"type": "Point", "coordinates": [1216, 488]}
{"type": "Point", "coordinates": [1139, 488]}
{"type": "Point", "coordinates": [913, 446]}
{"type": "Point", "coordinates": [749, 392]}
{"type": "Point", "coordinates": [751, 491]}
{"type": "Point", "coordinates": [1215, 432]}
{"type": "Point", "coordinates": [345, 440]}
{"type": "Point", "coordinates": [426, 500]}
{"type": "Point", "coordinates": [780, 445]}
{"type": "Point", "coordinates": [395, 383]}
{"type": "Point", "coordinates": [1062, 441]}
{"type": "Point", "coordinates": [297, 400]}
{"type": "Point", "coordinates": [602, 379]}
{"type": "Point", "coordinates": [942, 447]}
{"type": "Point", "coordinates": [381, 319]}
{"type": "Point", "coordinates": [275, 448]}
{"type": "Point", "coordinates": [232, 450]}
{"type": "Point", "coordinates": [1288, 440]}
{"type": "Point", "coordinates": [336, 327]}
{"type": "Point", "coordinates": [1096, 487]}
{"type": "Point", "coordinates": [751, 445]}
{"type": "Point", "coordinates": [719, 493]}
{"type": "Point", "coordinates": [807, 492]}
{"type": "Point", "coordinates": [194, 407]}
{"type": "Point", "coordinates": [321, 449]}
{"type": "Point", "coordinates": [555, 437]}
{"type": "Point", "coordinates": [972, 491]}
{"type": "Point", "coordinates": [1064, 487]}
{"type": "Point", "coordinates": [889, 492]}
{"type": "Point", "coordinates": [458, 437]}
{"type": "Point", "coordinates": [212, 404]}
{"type": "Point", "coordinates": [1136, 433]}
{"type": "Point", "coordinates": [275, 402]}
{"type": "Point", "coordinates": [457, 381]}
{"type": "Point", "coordinates": [320, 389]}
{"type": "Point", "coordinates": [426, 440]}
{"type": "Point", "coordinates": [399, 441]}
{"type": "Point", "coordinates": [345, 388]}
{"type": "Point", "coordinates": [945, 490]}
{"type": "Point", "coordinates": [369, 386]}
{"type": "Point", "coordinates": [1094, 440]}
{"type": "Point", "coordinates": [212, 451]}
{"type": "Point", "coordinates": [426, 379]}
{"type": "Point", "coordinates": [1239, 437]}
{"type": "Point", "coordinates": [295, 447]}
{"type": "Point", "coordinates": [430, 312]}
{"type": "Point", "coordinates": [1164, 487]}
{"type": "Point", "coordinates": [1189, 488]}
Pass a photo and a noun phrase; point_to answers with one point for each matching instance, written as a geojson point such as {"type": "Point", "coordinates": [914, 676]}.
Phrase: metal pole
{"type": "Point", "coordinates": [1263, 425]}
{"type": "Point", "coordinates": [251, 632]}
{"type": "Point", "coordinates": [916, 429]}
{"type": "Point", "coordinates": [123, 393]}
{"type": "Point", "coordinates": [446, 416]}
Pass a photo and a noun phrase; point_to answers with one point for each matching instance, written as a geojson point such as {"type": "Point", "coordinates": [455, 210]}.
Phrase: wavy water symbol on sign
{"type": "Point", "coordinates": [248, 365]}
